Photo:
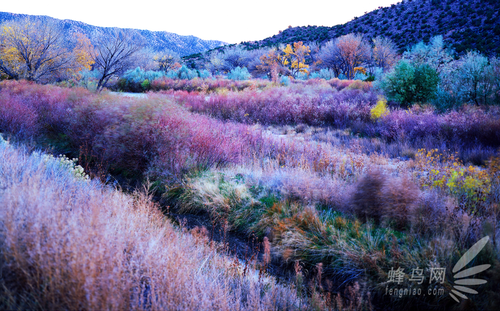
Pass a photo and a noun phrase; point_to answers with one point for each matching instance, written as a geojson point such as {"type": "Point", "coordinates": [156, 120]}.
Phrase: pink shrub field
{"type": "Point", "coordinates": [305, 169]}
{"type": "Point", "coordinates": [320, 105]}
{"type": "Point", "coordinates": [123, 132]}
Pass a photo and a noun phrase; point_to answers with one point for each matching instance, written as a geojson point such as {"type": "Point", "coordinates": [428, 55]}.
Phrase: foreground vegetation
{"type": "Point", "coordinates": [311, 168]}
{"type": "Point", "coordinates": [346, 161]}
{"type": "Point", "coordinates": [68, 242]}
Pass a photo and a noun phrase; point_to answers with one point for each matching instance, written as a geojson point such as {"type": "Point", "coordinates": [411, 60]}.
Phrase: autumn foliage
{"type": "Point", "coordinates": [295, 58]}
{"type": "Point", "coordinates": [35, 50]}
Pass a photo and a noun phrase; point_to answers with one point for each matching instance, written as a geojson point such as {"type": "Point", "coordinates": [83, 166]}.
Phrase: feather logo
{"type": "Point", "coordinates": [460, 276]}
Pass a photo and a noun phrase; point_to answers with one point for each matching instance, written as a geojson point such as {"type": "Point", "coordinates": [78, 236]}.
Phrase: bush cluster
{"type": "Point", "coordinates": [429, 74]}
{"type": "Point", "coordinates": [307, 196]}
{"type": "Point", "coordinates": [140, 80]}
{"type": "Point", "coordinates": [206, 85]}
{"type": "Point", "coordinates": [121, 133]}
{"type": "Point", "coordinates": [297, 103]}
{"type": "Point", "coordinates": [355, 106]}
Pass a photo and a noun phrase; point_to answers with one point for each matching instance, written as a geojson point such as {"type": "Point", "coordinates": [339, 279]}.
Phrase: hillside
{"type": "Point", "coordinates": [465, 25]}
{"type": "Point", "coordinates": [157, 40]}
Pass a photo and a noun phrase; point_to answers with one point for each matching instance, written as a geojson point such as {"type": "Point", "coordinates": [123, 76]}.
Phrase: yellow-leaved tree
{"type": "Point", "coordinates": [295, 58]}
{"type": "Point", "coordinates": [82, 55]}
{"type": "Point", "coordinates": [35, 49]}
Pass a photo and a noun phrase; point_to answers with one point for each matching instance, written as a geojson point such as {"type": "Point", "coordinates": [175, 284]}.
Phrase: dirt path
{"type": "Point", "coordinates": [133, 95]}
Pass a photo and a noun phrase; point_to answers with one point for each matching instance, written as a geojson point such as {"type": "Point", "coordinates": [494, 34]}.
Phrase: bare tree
{"type": "Point", "coordinates": [345, 53]}
{"type": "Point", "coordinates": [254, 60]}
{"type": "Point", "coordinates": [166, 60]}
{"type": "Point", "coordinates": [314, 60]}
{"type": "Point", "coordinates": [113, 56]}
{"type": "Point", "coordinates": [385, 53]}
{"type": "Point", "coordinates": [236, 57]}
{"type": "Point", "coordinates": [329, 56]}
{"type": "Point", "coordinates": [217, 63]}
{"type": "Point", "coordinates": [35, 50]}
{"type": "Point", "coordinates": [145, 59]}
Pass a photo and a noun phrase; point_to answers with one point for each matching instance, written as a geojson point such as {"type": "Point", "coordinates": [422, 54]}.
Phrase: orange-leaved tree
{"type": "Point", "coordinates": [353, 51]}
{"type": "Point", "coordinates": [345, 53]}
{"type": "Point", "coordinates": [82, 55]}
{"type": "Point", "coordinates": [272, 63]}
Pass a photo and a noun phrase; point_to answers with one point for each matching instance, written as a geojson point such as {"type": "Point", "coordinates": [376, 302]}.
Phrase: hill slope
{"type": "Point", "coordinates": [158, 40]}
{"type": "Point", "coordinates": [464, 24]}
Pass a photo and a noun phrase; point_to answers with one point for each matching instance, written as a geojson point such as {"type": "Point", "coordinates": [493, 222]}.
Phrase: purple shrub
{"type": "Point", "coordinates": [467, 127]}
{"type": "Point", "coordinates": [312, 105]}
{"type": "Point", "coordinates": [473, 125]}
{"type": "Point", "coordinates": [339, 84]}
{"type": "Point", "coordinates": [30, 109]}
{"type": "Point", "coordinates": [400, 124]}
{"type": "Point", "coordinates": [123, 133]}
{"type": "Point", "coordinates": [16, 117]}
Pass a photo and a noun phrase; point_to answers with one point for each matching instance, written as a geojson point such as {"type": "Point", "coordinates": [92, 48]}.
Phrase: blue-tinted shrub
{"type": "Point", "coordinates": [472, 79]}
{"type": "Point", "coordinates": [342, 77]}
{"type": "Point", "coordinates": [239, 73]}
{"type": "Point", "coordinates": [138, 80]}
{"type": "Point", "coordinates": [204, 74]}
{"type": "Point", "coordinates": [184, 73]}
{"type": "Point", "coordinates": [326, 74]}
{"type": "Point", "coordinates": [301, 76]}
{"type": "Point", "coordinates": [138, 75]}
{"type": "Point", "coordinates": [360, 76]}
{"type": "Point", "coordinates": [408, 83]}
{"type": "Point", "coordinates": [171, 74]}
{"type": "Point", "coordinates": [285, 80]}
{"type": "Point", "coordinates": [88, 79]}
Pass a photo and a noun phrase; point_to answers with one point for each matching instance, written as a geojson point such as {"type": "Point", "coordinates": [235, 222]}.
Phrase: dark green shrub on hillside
{"type": "Point", "coordinates": [408, 84]}
{"type": "Point", "coordinates": [426, 80]}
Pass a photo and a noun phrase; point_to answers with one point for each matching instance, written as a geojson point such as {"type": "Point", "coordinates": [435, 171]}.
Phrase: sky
{"type": "Point", "coordinates": [230, 21]}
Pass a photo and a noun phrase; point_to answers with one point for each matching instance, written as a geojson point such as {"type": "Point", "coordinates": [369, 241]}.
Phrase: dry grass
{"type": "Point", "coordinates": [73, 244]}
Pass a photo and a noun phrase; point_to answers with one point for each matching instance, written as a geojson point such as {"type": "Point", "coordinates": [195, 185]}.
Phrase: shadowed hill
{"type": "Point", "coordinates": [464, 24]}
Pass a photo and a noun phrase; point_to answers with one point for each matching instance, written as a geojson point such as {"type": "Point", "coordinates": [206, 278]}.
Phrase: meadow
{"type": "Point", "coordinates": [340, 185]}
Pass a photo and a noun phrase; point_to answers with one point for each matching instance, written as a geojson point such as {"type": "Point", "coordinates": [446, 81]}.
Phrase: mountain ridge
{"type": "Point", "coordinates": [156, 40]}
{"type": "Point", "coordinates": [465, 25]}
